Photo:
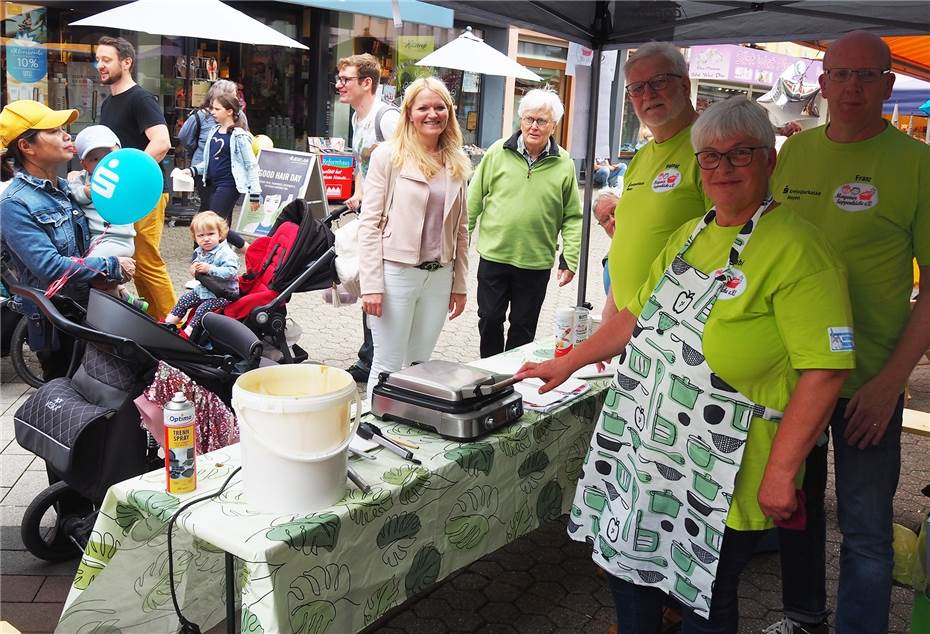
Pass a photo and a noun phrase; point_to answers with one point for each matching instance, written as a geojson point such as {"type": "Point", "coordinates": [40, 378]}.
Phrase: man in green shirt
{"type": "Point", "coordinates": [662, 187]}
{"type": "Point", "coordinates": [868, 187]}
{"type": "Point", "coordinates": [523, 194]}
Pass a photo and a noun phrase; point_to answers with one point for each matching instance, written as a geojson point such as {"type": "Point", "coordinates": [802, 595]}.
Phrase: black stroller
{"type": "Point", "coordinates": [86, 426]}
{"type": "Point", "coordinates": [298, 256]}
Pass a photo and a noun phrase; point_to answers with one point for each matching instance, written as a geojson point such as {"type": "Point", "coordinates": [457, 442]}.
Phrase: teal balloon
{"type": "Point", "coordinates": [126, 186]}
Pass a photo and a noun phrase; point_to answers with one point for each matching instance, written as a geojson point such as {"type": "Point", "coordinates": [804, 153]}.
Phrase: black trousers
{"type": "Point", "coordinates": [500, 285]}
{"type": "Point", "coordinates": [222, 201]}
{"type": "Point", "coordinates": [367, 351]}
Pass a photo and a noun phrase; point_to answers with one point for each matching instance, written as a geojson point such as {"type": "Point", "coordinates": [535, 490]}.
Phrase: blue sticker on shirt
{"type": "Point", "coordinates": [841, 339]}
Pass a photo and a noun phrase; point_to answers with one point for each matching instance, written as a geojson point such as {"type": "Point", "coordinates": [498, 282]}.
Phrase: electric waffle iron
{"type": "Point", "coordinates": [456, 401]}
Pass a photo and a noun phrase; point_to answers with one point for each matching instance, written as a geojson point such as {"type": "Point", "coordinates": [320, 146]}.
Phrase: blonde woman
{"type": "Point", "coordinates": [412, 234]}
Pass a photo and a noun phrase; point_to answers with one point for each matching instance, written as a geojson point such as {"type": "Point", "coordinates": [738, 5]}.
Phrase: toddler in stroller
{"type": "Point", "coordinates": [86, 426]}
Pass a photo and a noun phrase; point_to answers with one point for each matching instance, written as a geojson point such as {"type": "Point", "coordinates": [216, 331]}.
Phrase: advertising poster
{"type": "Point", "coordinates": [26, 58]}
{"type": "Point", "coordinates": [337, 175]}
{"type": "Point", "coordinates": [284, 175]}
{"type": "Point", "coordinates": [410, 50]}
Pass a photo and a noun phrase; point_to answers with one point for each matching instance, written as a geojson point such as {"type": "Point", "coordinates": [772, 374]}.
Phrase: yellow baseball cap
{"type": "Point", "coordinates": [23, 115]}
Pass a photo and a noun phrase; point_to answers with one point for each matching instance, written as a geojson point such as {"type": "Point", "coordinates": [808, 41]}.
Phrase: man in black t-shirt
{"type": "Point", "coordinates": [135, 115]}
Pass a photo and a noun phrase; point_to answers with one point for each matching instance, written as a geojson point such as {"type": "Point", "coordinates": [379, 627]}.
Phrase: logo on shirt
{"type": "Point", "coordinates": [735, 284]}
{"type": "Point", "coordinates": [841, 339]}
{"type": "Point", "coordinates": [666, 180]}
{"type": "Point", "coordinates": [790, 193]}
{"type": "Point", "coordinates": [856, 196]}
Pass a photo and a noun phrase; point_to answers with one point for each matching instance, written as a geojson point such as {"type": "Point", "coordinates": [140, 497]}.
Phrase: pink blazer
{"type": "Point", "coordinates": [399, 239]}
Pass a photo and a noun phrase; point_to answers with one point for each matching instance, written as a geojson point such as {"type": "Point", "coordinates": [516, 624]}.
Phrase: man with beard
{"type": "Point", "coordinates": [662, 186]}
{"type": "Point", "coordinates": [135, 115]}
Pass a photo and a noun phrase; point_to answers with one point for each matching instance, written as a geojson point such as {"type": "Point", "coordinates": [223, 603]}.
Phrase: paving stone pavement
{"type": "Point", "coordinates": [543, 582]}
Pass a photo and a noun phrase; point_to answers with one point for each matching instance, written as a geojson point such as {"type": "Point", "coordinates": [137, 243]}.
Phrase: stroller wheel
{"type": "Point", "coordinates": [25, 362]}
{"type": "Point", "coordinates": [71, 512]}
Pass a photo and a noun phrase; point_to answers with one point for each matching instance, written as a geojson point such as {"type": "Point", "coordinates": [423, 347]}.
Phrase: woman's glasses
{"type": "Point", "coordinates": [738, 157]}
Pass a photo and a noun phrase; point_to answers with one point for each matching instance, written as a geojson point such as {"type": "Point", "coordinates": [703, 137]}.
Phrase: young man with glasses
{"type": "Point", "coordinates": [662, 185]}
{"type": "Point", "coordinates": [867, 186]}
{"type": "Point", "coordinates": [524, 194]}
{"type": "Point", "coordinates": [373, 121]}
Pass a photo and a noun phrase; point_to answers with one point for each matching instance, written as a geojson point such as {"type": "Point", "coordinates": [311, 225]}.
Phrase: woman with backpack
{"type": "Point", "coordinates": [228, 166]}
{"type": "Point", "coordinates": [197, 127]}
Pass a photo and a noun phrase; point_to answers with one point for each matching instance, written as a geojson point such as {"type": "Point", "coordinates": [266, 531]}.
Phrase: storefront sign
{"type": "Point", "coordinates": [337, 175]}
{"type": "Point", "coordinates": [284, 175]}
{"type": "Point", "coordinates": [727, 62]}
{"type": "Point", "coordinates": [27, 59]}
{"type": "Point", "coordinates": [410, 50]}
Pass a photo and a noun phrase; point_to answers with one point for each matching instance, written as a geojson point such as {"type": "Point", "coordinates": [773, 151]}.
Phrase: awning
{"type": "Point", "coordinates": [410, 10]}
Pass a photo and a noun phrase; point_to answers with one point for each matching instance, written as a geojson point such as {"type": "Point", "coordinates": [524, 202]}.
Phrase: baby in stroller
{"type": "Point", "coordinates": [215, 267]}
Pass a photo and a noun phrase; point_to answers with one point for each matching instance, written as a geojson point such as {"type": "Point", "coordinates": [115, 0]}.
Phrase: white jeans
{"type": "Point", "coordinates": [414, 310]}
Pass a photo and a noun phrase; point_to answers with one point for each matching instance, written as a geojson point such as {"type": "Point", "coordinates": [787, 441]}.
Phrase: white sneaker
{"type": "Point", "coordinates": [790, 626]}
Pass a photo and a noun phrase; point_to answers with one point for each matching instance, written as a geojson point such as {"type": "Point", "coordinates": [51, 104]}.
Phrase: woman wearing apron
{"type": "Point", "coordinates": [731, 357]}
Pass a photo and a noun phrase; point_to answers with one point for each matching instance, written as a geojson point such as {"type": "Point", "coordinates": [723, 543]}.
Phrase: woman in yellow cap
{"type": "Point", "coordinates": [44, 231]}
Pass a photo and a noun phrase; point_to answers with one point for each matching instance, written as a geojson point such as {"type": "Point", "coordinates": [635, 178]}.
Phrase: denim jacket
{"type": "Point", "coordinates": [43, 229]}
{"type": "Point", "coordinates": [242, 159]}
{"type": "Point", "coordinates": [207, 123]}
{"type": "Point", "coordinates": [224, 265]}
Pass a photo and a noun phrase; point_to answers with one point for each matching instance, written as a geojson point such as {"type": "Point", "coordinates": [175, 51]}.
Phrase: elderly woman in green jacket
{"type": "Point", "coordinates": [523, 195]}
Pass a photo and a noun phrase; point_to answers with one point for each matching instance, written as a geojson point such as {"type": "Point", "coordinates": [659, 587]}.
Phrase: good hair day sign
{"type": "Point", "coordinates": [284, 175]}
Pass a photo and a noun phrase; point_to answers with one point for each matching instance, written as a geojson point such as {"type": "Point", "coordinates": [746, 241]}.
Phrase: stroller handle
{"type": "Point", "coordinates": [261, 313]}
{"type": "Point", "coordinates": [122, 347]}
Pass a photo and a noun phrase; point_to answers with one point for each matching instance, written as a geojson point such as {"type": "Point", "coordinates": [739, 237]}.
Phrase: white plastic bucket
{"type": "Point", "coordinates": [295, 429]}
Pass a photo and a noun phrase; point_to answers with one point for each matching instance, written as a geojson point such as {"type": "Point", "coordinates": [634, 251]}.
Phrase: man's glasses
{"type": "Point", "coordinates": [657, 83]}
{"type": "Point", "coordinates": [738, 157]}
{"type": "Point", "coordinates": [540, 122]}
{"type": "Point", "coordinates": [865, 75]}
{"type": "Point", "coordinates": [340, 80]}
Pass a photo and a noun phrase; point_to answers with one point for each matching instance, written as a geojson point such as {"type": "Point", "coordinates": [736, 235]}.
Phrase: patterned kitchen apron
{"type": "Point", "coordinates": [660, 472]}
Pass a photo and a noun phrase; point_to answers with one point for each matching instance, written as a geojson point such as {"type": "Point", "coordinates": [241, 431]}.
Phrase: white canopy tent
{"type": "Point", "coordinates": [469, 53]}
{"type": "Point", "coordinates": [207, 19]}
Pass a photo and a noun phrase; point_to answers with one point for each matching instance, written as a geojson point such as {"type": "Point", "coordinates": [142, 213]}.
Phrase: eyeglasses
{"type": "Point", "coordinates": [606, 221]}
{"type": "Point", "coordinates": [345, 80]}
{"type": "Point", "coordinates": [657, 83]}
{"type": "Point", "coordinates": [738, 157]}
{"type": "Point", "coordinates": [540, 123]}
{"type": "Point", "coordinates": [865, 75]}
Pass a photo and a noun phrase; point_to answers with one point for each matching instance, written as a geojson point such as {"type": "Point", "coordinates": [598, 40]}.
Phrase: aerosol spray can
{"type": "Point", "coordinates": [564, 330]}
{"type": "Point", "coordinates": [180, 445]}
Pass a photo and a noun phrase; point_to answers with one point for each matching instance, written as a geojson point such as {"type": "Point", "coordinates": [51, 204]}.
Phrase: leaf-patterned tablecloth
{"type": "Point", "coordinates": [340, 569]}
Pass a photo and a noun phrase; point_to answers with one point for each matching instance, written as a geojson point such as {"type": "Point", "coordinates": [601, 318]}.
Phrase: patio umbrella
{"type": "Point", "coordinates": [469, 53]}
{"type": "Point", "coordinates": [206, 19]}
{"type": "Point", "coordinates": [925, 107]}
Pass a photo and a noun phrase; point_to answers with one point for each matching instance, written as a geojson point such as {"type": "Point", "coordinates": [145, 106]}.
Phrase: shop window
{"type": "Point", "coordinates": [398, 50]}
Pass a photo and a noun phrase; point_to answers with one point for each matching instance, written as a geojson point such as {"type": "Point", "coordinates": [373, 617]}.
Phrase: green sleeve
{"type": "Point", "coordinates": [571, 221]}
{"type": "Point", "coordinates": [807, 311]}
{"type": "Point", "coordinates": [477, 190]}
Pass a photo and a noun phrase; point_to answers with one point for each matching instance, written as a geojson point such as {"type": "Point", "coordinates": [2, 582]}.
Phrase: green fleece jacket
{"type": "Point", "coordinates": [522, 209]}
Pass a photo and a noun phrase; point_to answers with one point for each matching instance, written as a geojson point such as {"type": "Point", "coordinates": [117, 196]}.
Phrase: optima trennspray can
{"type": "Point", "coordinates": [564, 330]}
{"type": "Point", "coordinates": [180, 445]}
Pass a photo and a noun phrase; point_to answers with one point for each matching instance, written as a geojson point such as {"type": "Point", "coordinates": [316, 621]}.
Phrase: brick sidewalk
{"type": "Point", "coordinates": [541, 583]}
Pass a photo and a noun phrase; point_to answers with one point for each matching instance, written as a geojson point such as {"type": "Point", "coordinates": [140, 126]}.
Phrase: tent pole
{"type": "Point", "coordinates": [582, 276]}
